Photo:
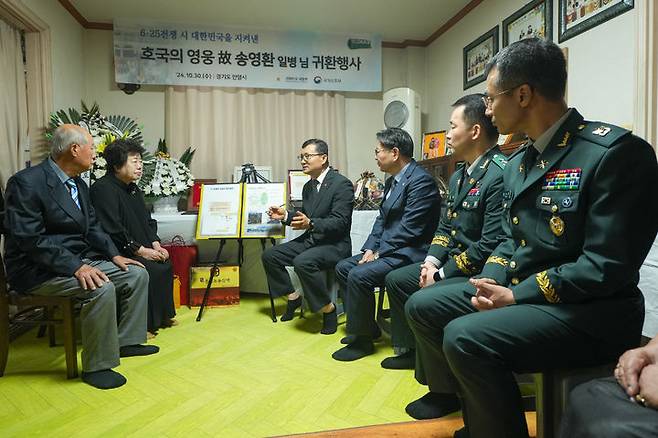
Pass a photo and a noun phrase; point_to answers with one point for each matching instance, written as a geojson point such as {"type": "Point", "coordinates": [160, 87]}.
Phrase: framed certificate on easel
{"type": "Point", "coordinates": [257, 199]}
{"type": "Point", "coordinates": [220, 211]}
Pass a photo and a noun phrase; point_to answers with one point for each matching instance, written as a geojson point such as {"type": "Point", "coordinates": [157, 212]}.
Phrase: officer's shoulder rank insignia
{"type": "Point", "coordinates": [499, 160]}
{"type": "Point", "coordinates": [603, 134]}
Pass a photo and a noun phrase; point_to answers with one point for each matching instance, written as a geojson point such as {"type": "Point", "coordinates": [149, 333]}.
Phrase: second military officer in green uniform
{"type": "Point", "coordinates": [468, 231]}
{"type": "Point", "coordinates": [560, 291]}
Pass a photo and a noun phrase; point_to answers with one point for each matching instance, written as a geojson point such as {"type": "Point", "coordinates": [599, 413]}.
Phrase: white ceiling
{"type": "Point", "coordinates": [395, 20]}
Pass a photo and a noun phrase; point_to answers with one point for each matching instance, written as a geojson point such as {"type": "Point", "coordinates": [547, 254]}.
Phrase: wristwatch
{"type": "Point", "coordinates": [310, 225]}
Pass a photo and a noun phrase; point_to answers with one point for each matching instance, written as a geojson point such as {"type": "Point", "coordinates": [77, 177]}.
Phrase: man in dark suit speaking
{"type": "Point", "coordinates": [326, 217]}
{"type": "Point", "coordinates": [55, 246]}
{"type": "Point", "coordinates": [401, 235]}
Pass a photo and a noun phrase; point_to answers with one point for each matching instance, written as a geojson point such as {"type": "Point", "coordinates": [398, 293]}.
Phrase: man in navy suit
{"type": "Point", "coordinates": [401, 235]}
{"type": "Point", "coordinates": [55, 246]}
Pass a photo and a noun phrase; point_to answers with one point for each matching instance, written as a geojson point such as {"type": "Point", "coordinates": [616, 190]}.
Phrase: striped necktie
{"type": "Point", "coordinates": [73, 190]}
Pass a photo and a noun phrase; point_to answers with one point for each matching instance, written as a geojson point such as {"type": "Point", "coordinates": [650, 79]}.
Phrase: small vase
{"type": "Point", "coordinates": [166, 205]}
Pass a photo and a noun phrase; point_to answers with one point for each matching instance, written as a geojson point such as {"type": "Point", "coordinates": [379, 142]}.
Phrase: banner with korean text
{"type": "Point", "coordinates": [148, 52]}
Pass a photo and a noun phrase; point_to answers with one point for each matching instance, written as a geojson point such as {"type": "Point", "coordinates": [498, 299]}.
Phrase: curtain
{"type": "Point", "coordinates": [232, 126]}
{"type": "Point", "coordinates": [13, 103]}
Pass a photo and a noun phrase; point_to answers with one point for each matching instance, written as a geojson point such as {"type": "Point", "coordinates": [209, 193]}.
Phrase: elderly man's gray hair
{"type": "Point", "coordinates": [63, 137]}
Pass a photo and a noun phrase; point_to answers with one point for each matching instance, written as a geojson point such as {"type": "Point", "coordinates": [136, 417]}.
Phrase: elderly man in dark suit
{"type": "Point", "coordinates": [55, 246]}
{"type": "Point", "coordinates": [401, 235]}
{"type": "Point", "coordinates": [326, 217]}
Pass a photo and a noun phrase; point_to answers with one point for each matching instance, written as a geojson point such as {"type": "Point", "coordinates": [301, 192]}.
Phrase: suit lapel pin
{"type": "Point", "coordinates": [602, 131]}
{"type": "Point", "coordinates": [471, 181]}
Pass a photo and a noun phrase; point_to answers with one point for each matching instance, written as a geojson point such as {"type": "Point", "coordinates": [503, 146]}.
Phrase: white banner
{"type": "Point", "coordinates": [147, 52]}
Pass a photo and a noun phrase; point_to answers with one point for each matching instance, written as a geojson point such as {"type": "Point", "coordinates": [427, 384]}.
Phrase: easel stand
{"type": "Point", "coordinates": [215, 271]}
{"type": "Point", "coordinates": [249, 175]}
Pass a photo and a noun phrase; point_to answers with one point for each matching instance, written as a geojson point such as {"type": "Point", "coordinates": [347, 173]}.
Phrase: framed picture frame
{"type": "Point", "coordinates": [535, 19]}
{"type": "Point", "coordinates": [434, 144]}
{"type": "Point", "coordinates": [577, 16]}
{"type": "Point", "coordinates": [194, 196]}
{"type": "Point", "coordinates": [476, 56]}
{"type": "Point", "coordinates": [296, 180]}
{"type": "Point", "coordinates": [220, 210]}
{"type": "Point", "coordinates": [257, 198]}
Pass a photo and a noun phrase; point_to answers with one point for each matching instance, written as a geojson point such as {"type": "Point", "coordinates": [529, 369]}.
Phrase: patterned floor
{"type": "Point", "coordinates": [234, 374]}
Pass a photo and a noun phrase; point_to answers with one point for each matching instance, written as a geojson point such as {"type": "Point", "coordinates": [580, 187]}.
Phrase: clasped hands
{"type": "Point", "coordinates": [156, 254]}
{"type": "Point", "coordinates": [637, 374]}
{"type": "Point", "coordinates": [489, 295]}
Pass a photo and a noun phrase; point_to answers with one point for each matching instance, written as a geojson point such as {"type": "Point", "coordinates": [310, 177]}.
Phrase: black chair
{"type": "Point", "coordinates": [552, 393]}
{"type": "Point", "coordinates": [382, 315]}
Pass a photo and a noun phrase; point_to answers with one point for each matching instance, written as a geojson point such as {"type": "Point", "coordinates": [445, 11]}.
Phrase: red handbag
{"type": "Point", "coordinates": [182, 257]}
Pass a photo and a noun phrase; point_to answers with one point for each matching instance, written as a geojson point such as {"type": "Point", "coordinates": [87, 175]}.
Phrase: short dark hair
{"type": "Point", "coordinates": [116, 153]}
{"type": "Point", "coordinates": [397, 138]}
{"type": "Point", "coordinates": [533, 61]}
{"type": "Point", "coordinates": [321, 146]}
{"type": "Point", "coordinates": [474, 114]}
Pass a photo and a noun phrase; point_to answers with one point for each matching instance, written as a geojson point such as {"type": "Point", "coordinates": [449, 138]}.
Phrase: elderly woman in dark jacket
{"type": "Point", "coordinates": [120, 208]}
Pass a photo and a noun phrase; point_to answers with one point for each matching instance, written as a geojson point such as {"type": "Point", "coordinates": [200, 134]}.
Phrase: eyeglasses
{"type": "Point", "coordinates": [379, 150]}
{"type": "Point", "coordinates": [489, 100]}
{"type": "Point", "coordinates": [306, 157]}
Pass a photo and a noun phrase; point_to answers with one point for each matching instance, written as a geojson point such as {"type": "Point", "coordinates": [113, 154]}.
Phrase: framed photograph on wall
{"type": "Point", "coordinates": [534, 20]}
{"type": "Point", "coordinates": [434, 144]}
{"type": "Point", "coordinates": [476, 56]}
{"type": "Point", "coordinates": [577, 16]}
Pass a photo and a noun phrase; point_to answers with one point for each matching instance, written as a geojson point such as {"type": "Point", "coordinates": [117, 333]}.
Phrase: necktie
{"type": "Point", "coordinates": [394, 183]}
{"type": "Point", "coordinates": [73, 190]}
{"type": "Point", "coordinates": [314, 189]}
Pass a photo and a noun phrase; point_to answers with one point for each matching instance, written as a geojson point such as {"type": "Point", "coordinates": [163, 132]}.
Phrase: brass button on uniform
{"type": "Point", "coordinates": [515, 220]}
{"type": "Point", "coordinates": [459, 245]}
{"type": "Point", "coordinates": [453, 232]}
{"type": "Point", "coordinates": [454, 214]}
{"type": "Point", "coordinates": [523, 242]}
{"type": "Point", "coordinates": [512, 264]}
{"type": "Point", "coordinates": [515, 281]}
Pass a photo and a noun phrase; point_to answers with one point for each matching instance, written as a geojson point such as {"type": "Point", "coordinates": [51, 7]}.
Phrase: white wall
{"type": "Point", "coordinates": [146, 106]}
{"type": "Point", "coordinates": [601, 65]}
{"type": "Point", "coordinates": [364, 111]}
{"type": "Point", "coordinates": [67, 62]}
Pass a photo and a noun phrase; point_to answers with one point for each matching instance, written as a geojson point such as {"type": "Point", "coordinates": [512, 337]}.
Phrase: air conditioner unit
{"type": "Point", "coordinates": [402, 110]}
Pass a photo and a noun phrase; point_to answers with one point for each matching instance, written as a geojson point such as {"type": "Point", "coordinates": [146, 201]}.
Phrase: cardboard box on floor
{"type": "Point", "coordinates": [225, 288]}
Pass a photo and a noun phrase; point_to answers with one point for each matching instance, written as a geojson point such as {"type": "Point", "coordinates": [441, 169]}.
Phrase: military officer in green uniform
{"type": "Point", "coordinates": [468, 231]}
{"type": "Point", "coordinates": [560, 291]}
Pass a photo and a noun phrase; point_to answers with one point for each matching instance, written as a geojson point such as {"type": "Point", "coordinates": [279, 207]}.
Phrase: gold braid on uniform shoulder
{"type": "Point", "coordinates": [441, 240]}
{"type": "Point", "coordinates": [498, 260]}
{"type": "Point", "coordinates": [547, 288]}
{"type": "Point", "coordinates": [464, 264]}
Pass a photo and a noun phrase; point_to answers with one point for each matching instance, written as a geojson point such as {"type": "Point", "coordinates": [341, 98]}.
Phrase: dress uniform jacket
{"type": "Point", "coordinates": [578, 224]}
{"type": "Point", "coordinates": [578, 221]}
{"type": "Point", "coordinates": [471, 228]}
